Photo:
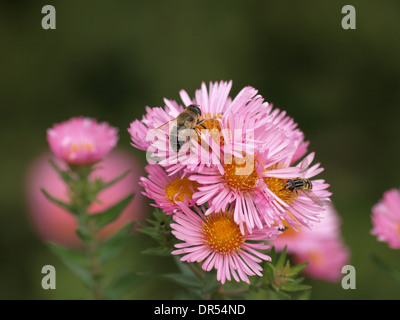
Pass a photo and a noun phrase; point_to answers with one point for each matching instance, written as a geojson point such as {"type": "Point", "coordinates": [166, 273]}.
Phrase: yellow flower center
{"type": "Point", "coordinates": [211, 121]}
{"type": "Point", "coordinates": [221, 233]}
{"type": "Point", "coordinates": [213, 126]}
{"type": "Point", "coordinates": [277, 186]}
{"type": "Point", "coordinates": [82, 146]}
{"type": "Point", "coordinates": [241, 174]}
{"type": "Point", "coordinates": [179, 189]}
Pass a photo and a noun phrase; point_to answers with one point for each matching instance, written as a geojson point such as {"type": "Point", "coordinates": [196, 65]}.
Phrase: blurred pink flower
{"type": "Point", "coordinates": [322, 246]}
{"type": "Point", "coordinates": [55, 224]}
{"type": "Point", "coordinates": [326, 260]}
{"type": "Point", "coordinates": [386, 219]}
{"type": "Point", "coordinates": [81, 140]}
{"type": "Point", "coordinates": [217, 241]}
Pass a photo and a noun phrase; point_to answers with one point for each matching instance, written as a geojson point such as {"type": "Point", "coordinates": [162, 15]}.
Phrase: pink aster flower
{"type": "Point", "coordinates": [221, 116]}
{"type": "Point", "coordinates": [260, 197]}
{"type": "Point", "coordinates": [288, 125]}
{"type": "Point", "coordinates": [215, 105]}
{"type": "Point", "coordinates": [156, 117]}
{"type": "Point", "coordinates": [167, 191]}
{"type": "Point", "coordinates": [386, 219]}
{"type": "Point", "coordinates": [322, 247]}
{"type": "Point", "coordinates": [217, 241]}
{"type": "Point", "coordinates": [81, 140]}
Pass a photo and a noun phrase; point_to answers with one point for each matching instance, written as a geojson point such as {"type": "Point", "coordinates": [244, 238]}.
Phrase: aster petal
{"type": "Point", "coordinates": [232, 268]}
{"type": "Point", "coordinates": [185, 98]}
{"type": "Point", "coordinates": [283, 173]}
{"type": "Point", "coordinates": [209, 262]}
{"type": "Point", "coordinates": [242, 268]}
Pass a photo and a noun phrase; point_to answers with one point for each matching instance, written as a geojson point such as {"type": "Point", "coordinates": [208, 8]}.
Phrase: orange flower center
{"type": "Point", "coordinates": [277, 186]}
{"type": "Point", "coordinates": [212, 125]}
{"type": "Point", "coordinates": [241, 174]}
{"type": "Point", "coordinates": [179, 189]}
{"type": "Point", "coordinates": [211, 121]}
{"type": "Point", "coordinates": [82, 146]}
{"type": "Point", "coordinates": [221, 233]}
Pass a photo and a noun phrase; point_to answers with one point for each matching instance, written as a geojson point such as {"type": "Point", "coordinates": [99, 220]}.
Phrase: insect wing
{"type": "Point", "coordinates": [167, 127]}
{"type": "Point", "coordinates": [313, 197]}
{"type": "Point", "coordinates": [159, 137]}
{"type": "Point", "coordinates": [304, 166]}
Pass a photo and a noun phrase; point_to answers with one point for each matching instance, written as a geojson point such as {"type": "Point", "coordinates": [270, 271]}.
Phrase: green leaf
{"type": "Point", "coordinates": [112, 246]}
{"type": "Point", "coordinates": [83, 170]}
{"type": "Point", "coordinates": [187, 281]}
{"type": "Point", "coordinates": [74, 260]}
{"type": "Point", "coordinates": [295, 270]}
{"type": "Point", "coordinates": [187, 278]}
{"type": "Point", "coordinates": [123, 284]}
{"type": "Point", "coordinates": [269, 272]}
{"type": "Point", "coordinates": [293, 287]}
{"type": "Point", "coordinates": [150, 231]}
{"type": "Point", "coordinates": [391, 272]}
{"type": "Point", "coordinates": [183, 267]}
{"type": "Point", "coordinates": [279, 295]}
{"type": "Point", "coordinates": [158, 228]}
{"type": "Point", "coordinates": [108, 184]}
{"type": "Point", "coordinates": [193, 270]}
{"type": "Point", "coordinates": [210, 282]}
{"type": "Point", "coordinates": [157, 251]}
{"type": "Point", "coordinates": [281, 260]}
{"type": "Point", "coordinates": [104, 218]}
{"type": "Point", "coordinates": [58, 202]}
{"type": "Point", "coordinates": [83, 234]}
{"type": "Point", "coordinates": [272, 254]}
{"type": "Point", "coordinates": [64, 175]}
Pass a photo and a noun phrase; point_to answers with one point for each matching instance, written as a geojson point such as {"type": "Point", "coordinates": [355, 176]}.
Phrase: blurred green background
{"type": "Point", "coordinates": [109, 59]}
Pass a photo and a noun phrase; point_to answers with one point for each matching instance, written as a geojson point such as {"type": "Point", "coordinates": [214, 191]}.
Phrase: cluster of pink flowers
{"type": "Point", "coordinates": [228, 188]}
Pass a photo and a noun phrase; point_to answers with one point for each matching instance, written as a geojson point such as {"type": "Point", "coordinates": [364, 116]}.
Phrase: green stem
{"type": "Point", "coordinates": [88, 235]}
{"type": "Point", "coordinates": [92, 249]}
{"type": "Point", "coordinates": [86, 227]}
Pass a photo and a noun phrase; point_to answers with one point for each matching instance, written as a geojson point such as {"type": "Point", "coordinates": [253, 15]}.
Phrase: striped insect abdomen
{"type": "Point", "coordinates": [302, 183]}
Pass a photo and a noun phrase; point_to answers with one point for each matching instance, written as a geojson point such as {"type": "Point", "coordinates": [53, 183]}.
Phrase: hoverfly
{"type": "Point", "coordinates": [304, 185]}
{"type": "Point", "coordinates": [188, 119]}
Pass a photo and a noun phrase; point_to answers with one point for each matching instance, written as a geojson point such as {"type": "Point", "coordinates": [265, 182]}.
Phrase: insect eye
{"type": "Point", "coordinates": [195, 108]}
